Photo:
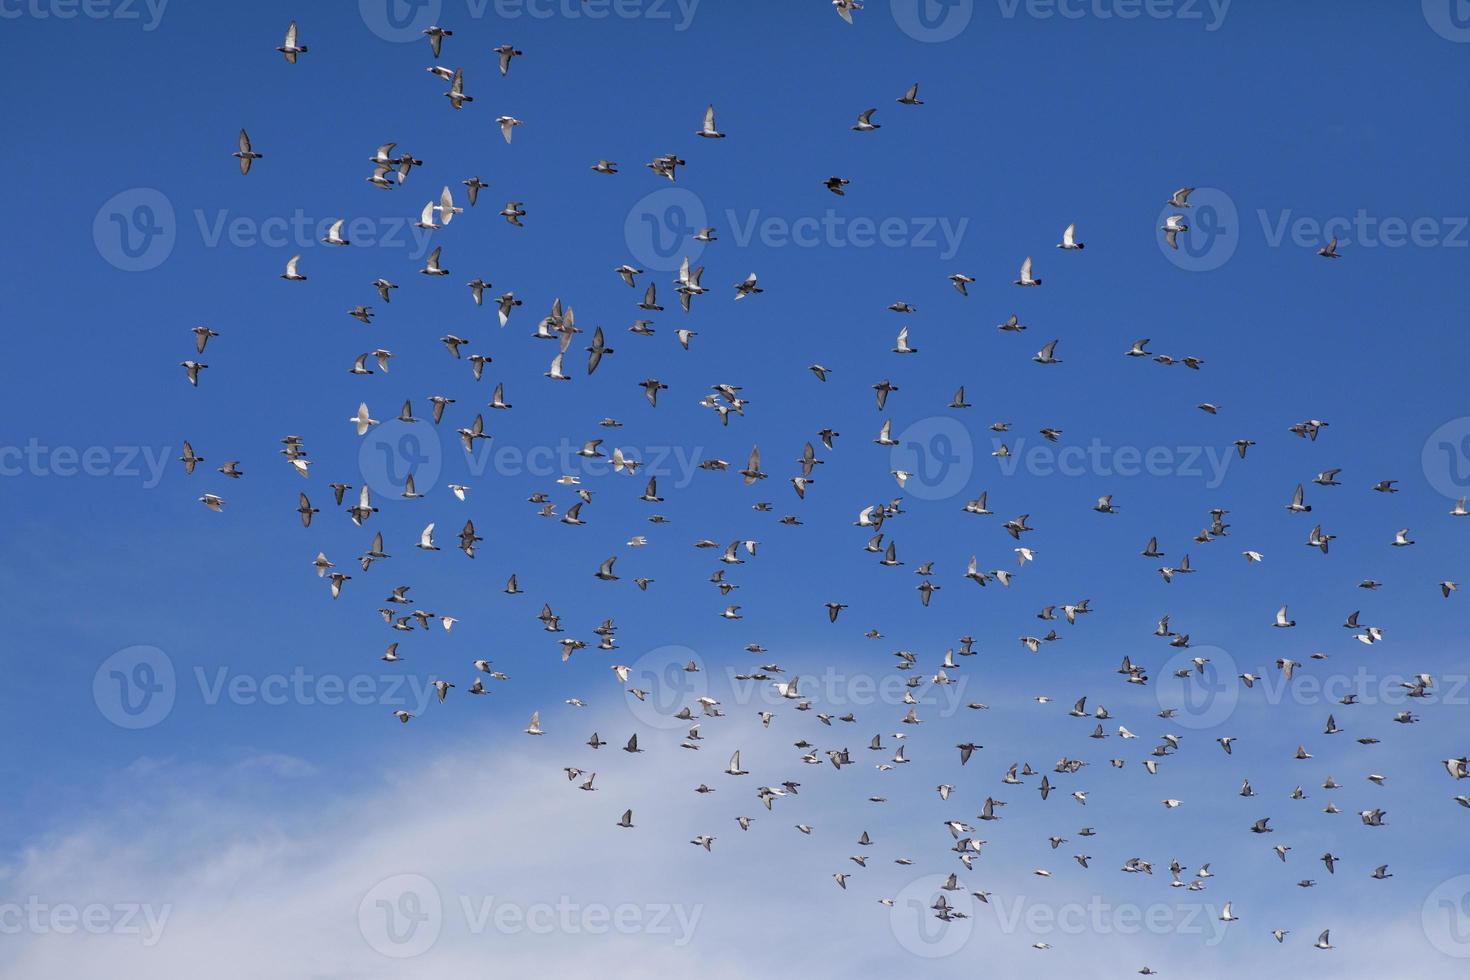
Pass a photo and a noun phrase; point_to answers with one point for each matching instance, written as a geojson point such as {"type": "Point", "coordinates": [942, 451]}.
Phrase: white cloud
{"type": "Point", "coordinates": [259, 871]}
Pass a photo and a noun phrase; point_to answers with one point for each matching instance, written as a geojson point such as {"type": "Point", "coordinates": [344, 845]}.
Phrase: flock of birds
{"type": "Point", "coordinates": [400, 612]}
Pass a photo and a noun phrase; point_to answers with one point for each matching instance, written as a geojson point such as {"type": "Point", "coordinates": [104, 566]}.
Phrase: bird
{"type": "Point", "coordinates": [1174, 226]}
{"type": "Point", "coordinates": [436, 36]}
{"type": "Point", "coordinates": [290, 48]}
{"type": "Point", "coordinates": [506, 53]}
{"type": "Point", "coordinates": [507, 125]}
{"type": "Point", "coordinates": [695, 489]}
{"type": "Point", "coordinates": [432, 266]}
{"type": "Point", "coordinates": [246, 154]}
{"type": "Point", "coordinates": [747, 287]}
{"type": "Point", "coordinates": [708, 130]}
{"type": "Point", "coordinates": [456, 95]}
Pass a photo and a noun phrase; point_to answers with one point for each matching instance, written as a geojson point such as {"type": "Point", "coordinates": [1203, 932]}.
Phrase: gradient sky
{"type": "Point", "coordinates": [234, 806]}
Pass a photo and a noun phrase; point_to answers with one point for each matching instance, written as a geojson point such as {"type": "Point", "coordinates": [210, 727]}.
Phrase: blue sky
{"type": "Point", "coordinates": [1296, 122]}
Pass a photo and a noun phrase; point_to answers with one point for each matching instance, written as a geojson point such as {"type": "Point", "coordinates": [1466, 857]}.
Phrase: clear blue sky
{"type": "Point", "coordinates": [1289, 117]}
